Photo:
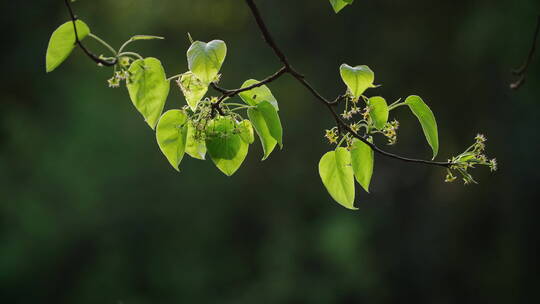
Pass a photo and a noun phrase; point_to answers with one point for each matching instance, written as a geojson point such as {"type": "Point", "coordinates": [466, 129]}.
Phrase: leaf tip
{"type": "Point", "coordinates": [228, 174]}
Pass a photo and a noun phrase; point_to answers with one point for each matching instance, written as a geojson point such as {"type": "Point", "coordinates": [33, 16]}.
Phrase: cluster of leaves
{"type": "Point", "coordinates": [198, 128]}
{"type": "Point", "coordinates": [355, 160]}
{"type": "Point", "coordinates": [214, 126]}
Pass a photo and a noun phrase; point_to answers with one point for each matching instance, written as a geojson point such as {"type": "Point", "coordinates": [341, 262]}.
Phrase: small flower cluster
{"type": "Point", "coordinates": [355, 127]}
{"type": "Point", "coordinates": [350, 113]}
{"type": "Point", "coordinates": [390, 131]}
{"type": "Point", "coordinates": [118, 77]}
{"type": "Point", "coordinates": [332, 135]}
{"type": "Point", "coordinates": [366, 113]}
{"type": "Point", "coordinates": [123, 74]}
{"type": "Point", "coordinates": [472, 157]}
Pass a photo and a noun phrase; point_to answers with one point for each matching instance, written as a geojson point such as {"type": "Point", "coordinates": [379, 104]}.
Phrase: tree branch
{"type": "Point", "coordinates": [90, 55]}
{"type": "Point", "coordinates": [522, 71]}
{"type": "Point", "coordinates": [231, 93]}
{"type": "Point", "coordinates": [287, 68]}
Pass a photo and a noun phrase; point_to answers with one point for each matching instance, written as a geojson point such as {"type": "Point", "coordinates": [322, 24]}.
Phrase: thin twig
{"type": "Point", "coordinates": [522, 71]}
{"type": "Point", "coordinates": [328, 103]}
{"type": "Point", "coordinates": [232, 93]}
{"type": "Point", "coordinates": [90, 55]}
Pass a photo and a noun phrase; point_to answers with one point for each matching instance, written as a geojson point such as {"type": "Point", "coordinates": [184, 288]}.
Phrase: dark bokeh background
{"type": "Point", "coordinates": [90, 211]}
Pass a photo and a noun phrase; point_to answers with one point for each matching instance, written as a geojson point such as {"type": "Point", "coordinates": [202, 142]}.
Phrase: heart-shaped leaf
{"type": "Point", "coordinates": [337, 176]}
{"type": "Point", "coordinates": [171, 134]}
{"type": "Point", "coordinates": [362, 159]}
{"type": "Point", "coordinates": [378, 110]}
{"type": "Point", "coordinates": [193, 89]}
{"type": "Point", "coordinates": [427, 121]}
{"type": "Point", "coordinates": [62, 43]}
{"type": "Point", "coordinates": [358, 79]}
{"type": "Point", "coordinates": [258, 94]}
{"type": "Point", "coordinates": [205, 59]}
{"type": "Point", "coordinates": [338, 5]}
{"type": "Point", "coordinates": [225, 145]}
{"type": "Point", "coordinates": [195, 146]}
{"type": "Point", "coordinates": [246, 131]}
{"type": "Point", "coordinates": [148, 88]}
{"type": "Point", "coordinates": [267, 124]}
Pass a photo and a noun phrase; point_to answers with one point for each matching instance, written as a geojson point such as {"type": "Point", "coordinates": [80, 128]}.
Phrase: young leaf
{"type": "Point", "coordinates": [145, 37]}
{"type": "Point", "coordinates": [267, 141]}
{"type": "Point", "coordinates": [337, 176]}
{"type": "Point", "coordinates": [205, 59]}
{"type": "Point", "coordinates": [362, 159]}
{"type": "Point", "coordinates": [338, 5]}
{"type": "Point", "coordinates": [171, 134]}
{"type": "Point", "coordinates": [62, 43]}
{"type": "Point", "coordinates": [225, 146]}
{"type": "Point", "coordinates": [195, 146]}
{"type": "Point", "coordinates": [193, 89]}
{"type": "Point", "coordinates": [148, 88]}
{"type": "Point", "coordinates": [358, 79]}
{"type": "Point", "coordinates": [246, 131]}
{"type": "Point", "coordinates": [427, 121]}
{"type": "Point", "coordinates": [258, 94]}
{"type": "Point", "coordinates": [266, 122]}
{"type": "Point", "coordinates": [378, 110]}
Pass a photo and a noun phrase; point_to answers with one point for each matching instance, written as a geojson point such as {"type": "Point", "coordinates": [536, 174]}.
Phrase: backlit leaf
{"type": "Point", "coordinates": [362, 159]}
{"type": "Point", "coordinates": [258, 94]}
{"type": "Point", "coordinates": [267, 124]}
{"type": "Point", "coordinates": [337, 176]}
{"type": "Point", "coordinates": [246, 131]}
{"type": "Point", "coordinates": [205, 59]}
{"type": "Point", "coordinates": [225, 146]}
{"type": "Point", "coordinates": [378, 110]}
{"type": "Point", "coordinates": [427, 121]}
{"type": "Point", "coordinates": [358, 79]}
{"type": "Point", "coordinates": [338, 5]}
{"type": "Point", "coordinates": [62, 43]}
{"type": "Point", "coordinates": [146, 37]}
{"type": "Point", "coordinates": [193, 89]}
{"type": "Point", "coordinates": [148, 88]}
{"type": "Point", "coordinates": [195, 146]}
{"type": "Point", "coordinates": [171, 134]}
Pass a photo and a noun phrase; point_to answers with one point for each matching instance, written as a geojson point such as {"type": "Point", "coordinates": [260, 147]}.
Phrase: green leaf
{"type": "Point", "coordinates": [358, 79]}
{"type": "Point", "coordinates": [193, 89]}
{"type": "Point", "coordinates": [148, 88]}
{"type": "Point", "coordinates": [171, 135]}
{"type": "Point", "coordinates": [362, 158]}
{"type": "Point", "coordinates": [378, 110]}
{"type": "Point", "coordinates": [338, 5]}
{"type": "Point", "coordinates": [195, 146]}
{"type": "Point", "coordinates": [225, 146]}
{"type": "Point", "coordinates": [427, 121]}
{"type": "Point", "coordinates": [266, 122]}
{"type": "Point", "coordinates": [146, 37]}
{"type": "Point", "coordinates": [337, 176]}
{"type": "Point", "coordinates": [62, 43]}
{"type": "Point", "coordinates": [205, 59]}
{"type": "Point", "coordinates": [258, 94]}
{"type": "Point", "coordinates": [246, 131]}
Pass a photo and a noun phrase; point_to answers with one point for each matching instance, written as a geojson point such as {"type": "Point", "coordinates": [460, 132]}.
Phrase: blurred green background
{"type": "Point", "coordinates": [91, 212]}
